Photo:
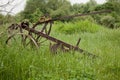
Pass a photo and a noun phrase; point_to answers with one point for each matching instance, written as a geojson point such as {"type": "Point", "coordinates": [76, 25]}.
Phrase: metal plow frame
{"type": "Point", "coordinates": [35, 35]}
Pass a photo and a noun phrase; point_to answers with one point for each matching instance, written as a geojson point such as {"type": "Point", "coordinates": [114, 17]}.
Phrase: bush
{"type": "Point", "coordinates": [117, 25]}
{"type": "Point", "coordinates": [108, 21]}
{"type": "Point", "coordinates": [83, 18]}
{"type": "Point", "coordinates": [79, 26]}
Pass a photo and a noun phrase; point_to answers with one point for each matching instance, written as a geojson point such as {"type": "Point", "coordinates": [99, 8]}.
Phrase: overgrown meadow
{"type": "Point", "coordinates": [25, 63]}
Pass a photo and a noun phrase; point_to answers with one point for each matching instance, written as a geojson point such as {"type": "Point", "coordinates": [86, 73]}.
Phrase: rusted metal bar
{"type": "Point", "coordinates": [71, 16]}
{"type": "Point", "coordinates": [71, 47]}
{"type": "Point", "coordinates": [50, 28]}
{"type": "Point", "coordinates": [78, 42]}
{"type": "Point", "coordinates": [44, 27]}
{"type": "Point", "coordinates": [12, 36]}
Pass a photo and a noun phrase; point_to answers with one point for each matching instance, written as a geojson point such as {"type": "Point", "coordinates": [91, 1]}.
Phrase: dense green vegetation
{"type": "Point", "coordinates": [100, 35]}
{"type": "Point", "coordinates": [19, 63]}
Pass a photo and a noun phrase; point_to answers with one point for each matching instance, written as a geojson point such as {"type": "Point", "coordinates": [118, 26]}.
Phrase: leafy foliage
{"type": "Point", "coordinates": [79, 26]}
{"type": "Point", "coordinates": [108, 21]}
{"type": "Point", "coordinates": [40, 7]}
{"type": "Point", "coordinates": [114, 19]}
{"type": "Point", "coordinates": [84, 8]}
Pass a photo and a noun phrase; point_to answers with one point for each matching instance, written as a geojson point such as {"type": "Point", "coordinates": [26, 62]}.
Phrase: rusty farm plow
{"type": "Point", "coordinates": [32, 36]}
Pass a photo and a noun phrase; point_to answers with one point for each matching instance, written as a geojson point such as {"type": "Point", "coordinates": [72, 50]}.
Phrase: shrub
{"type": "Point", "coordinates": [117, 25]}
{"type": "Point", "coordinates": [90, 18]}
{"type": "Point", "coordinates": [79, 26]}
{"type": "Point", "coordinates": [108, 21]}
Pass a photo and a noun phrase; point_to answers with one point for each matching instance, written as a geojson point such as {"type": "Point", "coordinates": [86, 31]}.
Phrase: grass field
{"type": "Point", "coordinates": [19, 63]}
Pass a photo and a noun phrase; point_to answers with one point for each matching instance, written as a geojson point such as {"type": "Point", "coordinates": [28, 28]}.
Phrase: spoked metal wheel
{"type": "Point", "coordinates": [13, 38]}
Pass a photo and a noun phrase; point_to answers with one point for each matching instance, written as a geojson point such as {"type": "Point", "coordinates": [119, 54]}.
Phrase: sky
{"type": "Point", "coordinates": [20, 4]}
{"type": "Point", "coordinates": [17, 5]}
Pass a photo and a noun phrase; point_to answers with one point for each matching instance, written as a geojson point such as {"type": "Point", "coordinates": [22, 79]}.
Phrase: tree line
{"type": "Point", "coordinates": [34, 9]}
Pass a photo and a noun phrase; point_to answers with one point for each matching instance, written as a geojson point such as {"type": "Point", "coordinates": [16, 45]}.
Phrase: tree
{"type": "Point", "coordinates": [89, 6]}
{"type": "Point", "coordinates": [84, 8]}
{"type": "Point", "coordinates": [58, 7]}
{"type": "Point", "coordinates": [77, 8]}
{"type": "Point", "coordinates": [53, 7]}
{"type": "Point", "coordinates": [31, 7]}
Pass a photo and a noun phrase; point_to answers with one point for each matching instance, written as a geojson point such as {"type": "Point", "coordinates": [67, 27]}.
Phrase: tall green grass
{"type": "Point", "coordinates": [20, 63]}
